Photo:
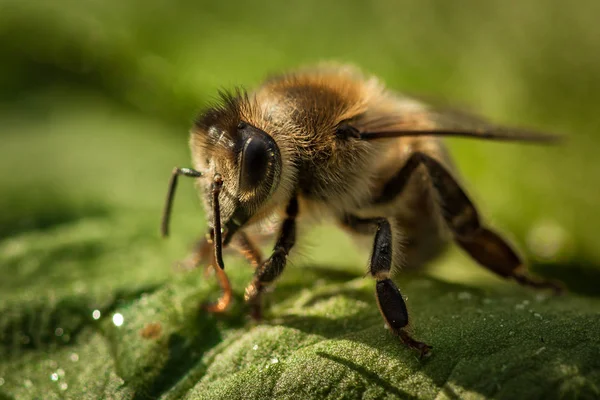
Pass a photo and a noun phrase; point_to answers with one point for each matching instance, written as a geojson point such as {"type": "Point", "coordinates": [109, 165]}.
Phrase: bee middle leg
{"type": "Point", "coordinates": [484, 245]}
{"type": "Point", "coordinates": [270, 269]}
{"type": "Point", "coordinates": [389, 299]}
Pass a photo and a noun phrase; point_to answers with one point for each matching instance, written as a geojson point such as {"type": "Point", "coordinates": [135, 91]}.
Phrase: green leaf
{"type": "Point", "coordinates": [91, 306]}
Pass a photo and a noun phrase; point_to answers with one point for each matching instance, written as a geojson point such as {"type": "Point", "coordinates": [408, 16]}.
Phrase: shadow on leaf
{"type": "Point", "coordinates": [369, 376]}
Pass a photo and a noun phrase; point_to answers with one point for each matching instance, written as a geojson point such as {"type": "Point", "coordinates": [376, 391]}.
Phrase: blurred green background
{"type": "Point", "coordinates": [96, 99]}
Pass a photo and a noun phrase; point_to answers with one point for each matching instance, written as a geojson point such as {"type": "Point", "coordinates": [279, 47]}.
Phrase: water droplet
{"type": "Point", "coordinates": [118, 319]}
{"type": "Point", "coordinates": [96, 314]}
{"type": "Point", "coordinates": [54, 376]}
{"type": "Point", "coordinates": [465, 296]}
{"type": "Point", "coordinates": [74, 357]}
{"type": "Point", "coordinates": [274, 360]}
{"type": "Point", "coordinates": [63, 386]}
{"type": "Point", "coordinates": [2, 381]}
{"type": "Point", "coordinates": [58, 331]}
{"type": "Point", "coordinates": [255, 347]}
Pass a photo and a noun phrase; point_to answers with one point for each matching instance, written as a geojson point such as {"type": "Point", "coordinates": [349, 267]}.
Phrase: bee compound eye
{"type": "Point", "coordinates": [255, 162]}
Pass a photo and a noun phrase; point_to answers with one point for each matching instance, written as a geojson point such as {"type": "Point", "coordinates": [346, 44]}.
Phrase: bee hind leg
{"type": "Point", "coordinates": [485, 246]}
{"type": "Point", "coordinates": [389, 299]}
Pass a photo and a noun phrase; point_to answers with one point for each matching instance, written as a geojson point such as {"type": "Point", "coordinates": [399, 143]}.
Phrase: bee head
{"type": "Point", "coordinates": [225, 142]}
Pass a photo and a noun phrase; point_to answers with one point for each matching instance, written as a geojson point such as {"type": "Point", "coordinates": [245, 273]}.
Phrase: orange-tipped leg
{"type": "Point", "coordinates": [223, 302]}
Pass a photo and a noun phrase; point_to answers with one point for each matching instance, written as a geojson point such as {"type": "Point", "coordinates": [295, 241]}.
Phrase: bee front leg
{"type": "Point", "coordinates": [203, 254]}
{"type": "Point", "coordinates": [270, 270]}
{"type": "Point", "coordinates": [389, 299]}
{"type": "Point", "coordinates": [223, 302]}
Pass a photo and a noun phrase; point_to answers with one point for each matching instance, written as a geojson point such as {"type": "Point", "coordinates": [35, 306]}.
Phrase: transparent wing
{"type": "Point", "coordinates": [414, 118]}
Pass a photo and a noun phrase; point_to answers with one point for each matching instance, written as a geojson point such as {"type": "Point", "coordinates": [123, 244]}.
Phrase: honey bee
{"type": "Point", "coordinates": [331, 139]}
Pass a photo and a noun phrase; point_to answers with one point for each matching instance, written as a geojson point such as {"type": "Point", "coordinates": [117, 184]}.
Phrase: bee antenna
{"type": "Point", "coordinates": [217, 241]}
{"type": "Point", "coordinates": [166, 215]}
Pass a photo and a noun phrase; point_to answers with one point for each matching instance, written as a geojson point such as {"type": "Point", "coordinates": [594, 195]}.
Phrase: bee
{"type": "Point", "coordinates": [333, 140]}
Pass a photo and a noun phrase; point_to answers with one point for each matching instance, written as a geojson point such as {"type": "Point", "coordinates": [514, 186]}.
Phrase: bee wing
{"type": "Point", "coordinates": [418, 119]}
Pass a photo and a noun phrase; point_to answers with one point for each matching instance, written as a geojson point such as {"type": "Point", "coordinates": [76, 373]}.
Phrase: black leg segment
{"type": "Point", "coordinates": [391, 304]}
{"type": "Point", "coordinates": [270, 270]}
{"type": "Point", "coordinates": [485, 246]}
{"type": "Point", "coordinates": [398, 182]}
{"type": "Point", "coordinates": [389, 299]}
{"type": "Point", "coordinates": [381, 257]}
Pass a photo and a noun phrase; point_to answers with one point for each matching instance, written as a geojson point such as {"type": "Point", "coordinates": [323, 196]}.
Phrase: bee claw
{"type": "Point", "coordinates": [422, 348]}
{"type": "Point", "coordinates": [425, 351]}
